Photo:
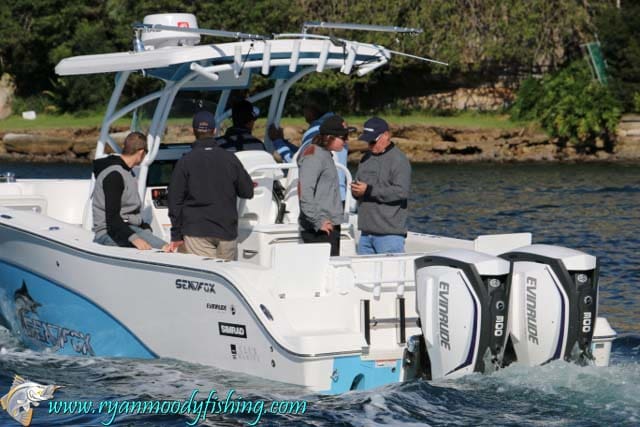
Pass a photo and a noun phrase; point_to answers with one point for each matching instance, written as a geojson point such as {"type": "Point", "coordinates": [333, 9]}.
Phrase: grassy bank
{"type": "Point", "coordinates": [462, 120]}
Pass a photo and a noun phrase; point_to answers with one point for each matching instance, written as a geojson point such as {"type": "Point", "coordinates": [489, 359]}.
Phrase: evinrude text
{"type": "Point", "coordinates": [532, 325]}
{"type": "Point", "coordinates": [218, 307]}
{"type": "Point", "coordinates": [443, 314]}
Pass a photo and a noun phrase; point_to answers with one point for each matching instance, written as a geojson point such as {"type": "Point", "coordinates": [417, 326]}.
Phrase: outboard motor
{"type": "Point", "coordinates": [553, 304]}
{"type": "Point", "coordinates": [461, 298]}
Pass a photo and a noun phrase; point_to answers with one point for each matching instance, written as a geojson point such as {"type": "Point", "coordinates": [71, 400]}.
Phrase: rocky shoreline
{"type": "Point", "coordinates": [421, 143]}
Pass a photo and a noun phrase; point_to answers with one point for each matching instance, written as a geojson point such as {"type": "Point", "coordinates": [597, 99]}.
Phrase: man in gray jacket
{"type": "Point", "coordinates": [117, 219]}
{"type": "Point", "coordinates": [382, 186]}
{"type": "Point", "coordinates": [321, 211]}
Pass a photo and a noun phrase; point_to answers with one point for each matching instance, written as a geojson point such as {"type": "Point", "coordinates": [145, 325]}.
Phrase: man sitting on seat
{"type": "Point", "coordinates": [116, 202]}
{"type": "Point", "coordinates": [239, 137]}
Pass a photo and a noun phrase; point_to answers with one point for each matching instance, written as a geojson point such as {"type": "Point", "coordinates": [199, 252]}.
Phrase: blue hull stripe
{"type": "Point", "coordinates": [48, 315]}
{"type": "Point", "coordinates": [353, 373]}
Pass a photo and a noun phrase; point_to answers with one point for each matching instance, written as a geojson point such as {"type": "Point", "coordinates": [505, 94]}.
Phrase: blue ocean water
{"type": "Point", "coordinates": [590, 207]}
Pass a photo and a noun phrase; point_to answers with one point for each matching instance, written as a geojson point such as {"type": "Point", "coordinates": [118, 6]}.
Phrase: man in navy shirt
{"type": "Point", "coordinates": [239, 137]}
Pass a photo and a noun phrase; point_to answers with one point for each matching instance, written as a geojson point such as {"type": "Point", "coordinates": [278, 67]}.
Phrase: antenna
{"type": "Point", "coordinates": [202, 31]}
{"type": "Point", "coordinates": [359, 27]}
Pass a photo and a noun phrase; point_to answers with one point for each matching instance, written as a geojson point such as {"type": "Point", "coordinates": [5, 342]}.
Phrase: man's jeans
{"type": "Point", "coordinates": [387, 244]}
{"type": "Point", "coordinates": [146, 235]}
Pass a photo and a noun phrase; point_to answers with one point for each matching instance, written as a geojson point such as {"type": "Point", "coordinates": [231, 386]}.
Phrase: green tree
{"type": "Point", "coordinates": [571, 105]}
{"type": "Point", "coordinates": [619, 33]}
{"type": "Point", "coordinates": [483, 40]}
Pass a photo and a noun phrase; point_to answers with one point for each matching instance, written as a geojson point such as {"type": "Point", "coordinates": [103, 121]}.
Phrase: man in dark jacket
{"type": "Point", "coordinates": [203, 192]}
{"type": "Point", "coordinates": [239, 137]}
{"type": "Point", "coordinates": [382, 186]}
{"type": "Point", "coordinates": [116, 202]}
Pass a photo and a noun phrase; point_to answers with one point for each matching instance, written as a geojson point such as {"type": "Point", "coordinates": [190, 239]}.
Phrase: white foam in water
{"type": "Point", "coordinates": [375, 407]}
{"type": "Point", "coordinates": [614, 390]}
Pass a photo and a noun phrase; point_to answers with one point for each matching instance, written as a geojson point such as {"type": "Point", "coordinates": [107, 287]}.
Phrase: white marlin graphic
{"type": "Point", "coordinates": [22, 395]}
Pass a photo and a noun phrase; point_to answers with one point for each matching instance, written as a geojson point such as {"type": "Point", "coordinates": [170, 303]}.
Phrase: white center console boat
{"type": "Point", "coordinates": [284, 311]}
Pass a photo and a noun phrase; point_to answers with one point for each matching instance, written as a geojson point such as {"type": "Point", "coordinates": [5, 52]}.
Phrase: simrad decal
{"type": "Point", "coordinates": [232, 330]}
{"type": "Point", "coordinates": [51, 335]}
{"type": "Point", "coordinates": [194, 285]}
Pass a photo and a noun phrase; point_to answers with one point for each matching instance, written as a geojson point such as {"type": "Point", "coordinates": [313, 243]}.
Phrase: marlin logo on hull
{"type": "Point", "coordinates": [443, 315]}
{"type": "Point", "coordinates": [54, 336]}
{"type": "Point", "coordinates": [532, 325]}
{"type": "Point", "coordinates": [24, 303]}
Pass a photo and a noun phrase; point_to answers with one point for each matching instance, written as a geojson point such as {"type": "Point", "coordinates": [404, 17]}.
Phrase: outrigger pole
{"type": "Point", "coordinates": [359, 27]}
{"type": "Point", "coordinates": [380, 28]}
{"type": "Point", "coordinates": [214, 33]}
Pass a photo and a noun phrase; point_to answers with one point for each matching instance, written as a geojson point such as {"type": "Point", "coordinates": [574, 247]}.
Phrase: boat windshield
{"type": "Point", "coordinates": [160, 173]}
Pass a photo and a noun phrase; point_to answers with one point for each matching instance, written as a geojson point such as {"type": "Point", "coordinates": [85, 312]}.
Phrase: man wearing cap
{"type": "Point", "coordinates": [381, 186]}
{"type": "Point", "coordinates": [116, 202]}
{"type": "Point", "coordinates": [321, 210]}
{"type": "Point", "coordinates": [315, 110]}
{"type": "Point", "coordinates": [203, 192]}
{"type": "Point", "coordinates": [239, 137]}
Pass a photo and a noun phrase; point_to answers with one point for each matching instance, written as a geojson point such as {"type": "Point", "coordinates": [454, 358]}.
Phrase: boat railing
{"type": "Point", "coordinates": [7, 177]}
{"type": "Point", "coordinates": [379, 274]}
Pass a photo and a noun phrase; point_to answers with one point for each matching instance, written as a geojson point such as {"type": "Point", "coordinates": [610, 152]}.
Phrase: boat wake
{"type": "Point", "coordinates": [558, 393]}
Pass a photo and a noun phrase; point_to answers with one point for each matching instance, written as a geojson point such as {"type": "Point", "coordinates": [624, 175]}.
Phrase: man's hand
{"type": "Point", "coordinates": [275, 132]}
{"type": "Point", "coordinates": [141, 244]}
{"type": "Point", "coordinates": [327, 227]}
{"type": "Point", "coordinates": [358, 189]}
{"type": "Point", "coordinates": [173, 246]}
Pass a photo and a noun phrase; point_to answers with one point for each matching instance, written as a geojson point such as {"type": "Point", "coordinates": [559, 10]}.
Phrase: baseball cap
{"type": "Point", "coordinates": [204, 121]}
{"type": "Point", "coordinates": [373, 128]}
{"type": "Point", "coordinates": [335, 125]}
{"type": "Point", "coordinates": [242, 112]}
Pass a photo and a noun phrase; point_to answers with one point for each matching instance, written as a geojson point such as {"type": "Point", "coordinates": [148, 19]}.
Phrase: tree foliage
{"type": "Point", "coordinates": [570, 105]}
{"type": "Point", "coordinates": [619, 33]}
{"type": "Point", "coordinates": [484, 41]}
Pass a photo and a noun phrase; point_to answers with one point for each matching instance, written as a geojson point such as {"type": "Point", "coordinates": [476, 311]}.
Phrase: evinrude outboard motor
{"type": "Point", "coordinates": [553, 305]}
{"type": "Point", "coordinates": [461, 298]}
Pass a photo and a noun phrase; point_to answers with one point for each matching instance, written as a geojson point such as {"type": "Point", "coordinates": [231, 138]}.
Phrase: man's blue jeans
{"type": "Point", "coordinates": [146, 235]}
{"type": "Point", "coordinates": [374, 244]}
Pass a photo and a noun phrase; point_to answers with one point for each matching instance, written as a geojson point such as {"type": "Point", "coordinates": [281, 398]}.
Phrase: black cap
{"type": "Point", "coordinates": [243, 112]}
{"type": "Point", "coordinates": [373, 128]}
{"type": "Point", "coordinates": [204, 121]}
{"type": "Point", "coordinates": [336, 126]}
